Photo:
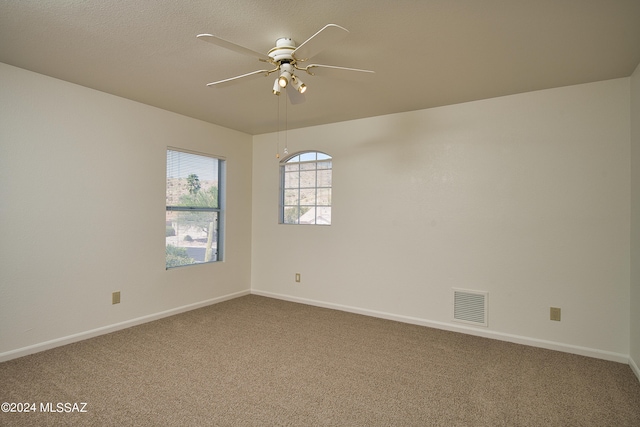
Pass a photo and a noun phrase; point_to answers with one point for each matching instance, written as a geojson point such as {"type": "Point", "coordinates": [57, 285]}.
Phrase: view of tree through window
{"type": "Point", "coordinates": [305, 196]}
{"type": "Point", "coordinates": [194, 211]}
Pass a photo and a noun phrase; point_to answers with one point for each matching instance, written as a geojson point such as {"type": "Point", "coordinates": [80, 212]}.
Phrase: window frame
{"type": "Point", "coordinates": [282, 198]}
{"type": "Point", "coordinates": [220, 209]}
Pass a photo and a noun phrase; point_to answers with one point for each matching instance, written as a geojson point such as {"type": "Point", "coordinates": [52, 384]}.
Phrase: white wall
{"type": "Point", "coordinates": [635, 224]}
{"type": "Point", "coordinates": [525, 196]}
{"type": "Point", "coordinates": [82, 192]}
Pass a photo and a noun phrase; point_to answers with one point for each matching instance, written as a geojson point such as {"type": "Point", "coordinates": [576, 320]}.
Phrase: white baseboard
{"type": "Point", "coordinates": [551, 345]}
{"type": "Point", "coordinates": [24, 351]}
{"type": "Point", "coordinates": [634, 368]}
{"type": "Point", "coordinates": [534, 342]}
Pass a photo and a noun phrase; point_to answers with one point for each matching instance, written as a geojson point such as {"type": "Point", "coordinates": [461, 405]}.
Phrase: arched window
{"type": "Point", "coordinates": [305, 189]}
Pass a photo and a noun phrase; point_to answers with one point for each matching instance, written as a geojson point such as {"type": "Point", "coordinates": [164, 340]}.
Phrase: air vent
{"type": "Point", "coordinates": [470, 307]}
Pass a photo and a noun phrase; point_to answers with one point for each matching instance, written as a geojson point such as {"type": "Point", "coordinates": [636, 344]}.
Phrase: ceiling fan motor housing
{"type": "Point", "coordinates": [283, 50]}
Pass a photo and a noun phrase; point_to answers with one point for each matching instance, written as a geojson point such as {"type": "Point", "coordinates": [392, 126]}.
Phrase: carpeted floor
{"type": "Point", "coordinates": [256, 361]}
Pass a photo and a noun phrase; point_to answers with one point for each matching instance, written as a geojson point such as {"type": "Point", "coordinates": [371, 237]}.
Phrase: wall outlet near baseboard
{"type": "Point", "coordinates": [115, 297]}
{"type": "Point", "coordinates": [297, 277]}
{"type": "Point", "coordinates": [554, 313]}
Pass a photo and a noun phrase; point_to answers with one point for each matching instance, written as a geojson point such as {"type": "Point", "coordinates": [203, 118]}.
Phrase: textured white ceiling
{"type": "Point", "coordinates": [426, 53]}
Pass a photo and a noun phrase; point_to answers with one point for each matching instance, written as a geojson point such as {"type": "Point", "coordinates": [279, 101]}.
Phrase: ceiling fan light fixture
{"type": "Point", "coordinates": [276, 87]}
{"type": "Point", "coordinates": [283, 80]}
{"type": "Point", "coordinates": [299, 85]}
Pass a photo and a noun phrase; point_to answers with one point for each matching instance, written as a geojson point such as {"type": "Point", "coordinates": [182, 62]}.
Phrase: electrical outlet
{"type": "Point", "coordinates": [298, 277]}
{"type": "Point", "coordinates": [554, 313]}
{"type": "Point", "coordinates": [115, 298]}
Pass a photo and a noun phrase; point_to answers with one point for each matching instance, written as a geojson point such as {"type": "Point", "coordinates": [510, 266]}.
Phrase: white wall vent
{"type": "Point", "coordinates": [470, 306]}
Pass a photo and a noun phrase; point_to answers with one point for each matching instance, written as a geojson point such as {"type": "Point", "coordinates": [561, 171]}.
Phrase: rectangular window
{"type": "Point", "coordinates": [194, 215]}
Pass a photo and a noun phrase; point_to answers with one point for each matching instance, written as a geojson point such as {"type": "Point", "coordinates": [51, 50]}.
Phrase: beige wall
{"type": "Point", "coordinates": [635, 224]}
{"type": "Point", "coordinates": [525, 196]}
{"type": "Point", "coordinates": [82, 191]}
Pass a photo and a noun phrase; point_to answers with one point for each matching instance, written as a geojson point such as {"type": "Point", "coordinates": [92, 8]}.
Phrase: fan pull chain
{"type": "Point", "coordinates": [278, 128]}
{"type": "Point", "coordinates": [286, 127]}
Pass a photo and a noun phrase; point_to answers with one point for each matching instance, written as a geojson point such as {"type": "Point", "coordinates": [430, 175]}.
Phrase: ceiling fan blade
{"type": "Point", "coordinates": [252, 74]}
{"type": "Point", "coordinates": [339, 72]}
{"type": "Point", "coordinates": [329, 34]}
{"type": "Point", "coordinates": [232, 46]}
{"type": "Point", "coordinates": [295, 97]}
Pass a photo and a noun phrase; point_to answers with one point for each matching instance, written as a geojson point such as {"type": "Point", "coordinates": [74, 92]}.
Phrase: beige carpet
{"type": "Point", "coordinates": [255, 361]}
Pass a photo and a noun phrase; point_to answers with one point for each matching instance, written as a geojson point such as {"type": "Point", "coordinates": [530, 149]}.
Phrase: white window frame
{"type": "Point", "coordinates": [310, 159]}
{"type": "Point", "coordinates": [219, 210]}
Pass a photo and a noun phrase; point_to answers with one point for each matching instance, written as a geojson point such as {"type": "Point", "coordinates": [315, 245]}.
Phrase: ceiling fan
{"type": "Point", "coordinates": [287, 58]}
